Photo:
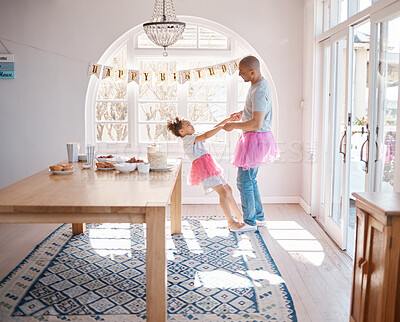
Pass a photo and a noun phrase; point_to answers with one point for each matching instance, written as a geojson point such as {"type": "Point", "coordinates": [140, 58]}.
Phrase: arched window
{"type": "Point", "coordinates": [127, 117]}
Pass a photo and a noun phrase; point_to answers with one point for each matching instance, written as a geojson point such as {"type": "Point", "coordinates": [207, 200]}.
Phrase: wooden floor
{"type": "Point", "coordinates": [317, 274]}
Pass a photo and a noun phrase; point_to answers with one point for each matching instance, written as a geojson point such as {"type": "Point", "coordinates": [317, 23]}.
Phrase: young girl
{"type": "Point", "coordinates": [205, 171]}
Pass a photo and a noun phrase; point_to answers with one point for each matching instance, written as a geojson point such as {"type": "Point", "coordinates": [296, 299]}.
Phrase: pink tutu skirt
{"type": "Point", "coordinates": [203, 168]}
{"type": "Point", "coordinates": [254, 149]}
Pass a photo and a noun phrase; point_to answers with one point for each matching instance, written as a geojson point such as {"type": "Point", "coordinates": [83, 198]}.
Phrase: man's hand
{"type": "Point", "coordinates": [236, 116]}
{"type": "Point", "coordinates": [228, 127]}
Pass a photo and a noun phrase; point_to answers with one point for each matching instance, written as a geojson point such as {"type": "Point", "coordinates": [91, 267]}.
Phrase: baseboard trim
{"type": "Point", "coordinates": [215, 200]}
{"type": "Point", "coordinates": [306, 207]}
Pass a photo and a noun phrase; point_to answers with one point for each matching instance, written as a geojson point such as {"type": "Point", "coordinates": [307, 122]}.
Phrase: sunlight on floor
{"type": "Point", "coordinates": [114, 239]}
{"type": "Point", "coordinates": [221, 279]}
{"type": "Point", "coordinates": [111, 240]}
{"type": "Point", "coordinates": [245, 248]}
{"type": "Point", "coordinates": [190, 240]}
{"type": "Point", "coordinates": [297, 241]}
{"type": "Point", "coordinates": [215, 228]}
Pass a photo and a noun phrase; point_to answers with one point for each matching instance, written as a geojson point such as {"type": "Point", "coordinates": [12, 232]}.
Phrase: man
{"type": "Point", "coordinates": [257, 145]}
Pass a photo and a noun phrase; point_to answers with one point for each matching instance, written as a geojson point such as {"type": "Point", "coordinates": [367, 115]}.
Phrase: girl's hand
{"type": "Point", "coordinates": [235, 117]}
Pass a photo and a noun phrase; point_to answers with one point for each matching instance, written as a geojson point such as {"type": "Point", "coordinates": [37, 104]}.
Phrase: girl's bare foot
{"type": "Point", "coordinates": [235, 225]}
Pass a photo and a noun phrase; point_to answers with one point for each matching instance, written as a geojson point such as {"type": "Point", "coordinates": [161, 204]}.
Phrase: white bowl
{"type": "Point", "coordinates": [120, 159]}
{"type": "Point", "coordinates": [143, 167]}
{"type": "Point", "coordinates": [86, 166]}
{"type": "Point", "coordinates": [125, 167]}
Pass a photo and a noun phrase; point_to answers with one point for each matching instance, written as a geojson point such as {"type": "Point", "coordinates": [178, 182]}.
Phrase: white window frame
{"type": "Point", "coordinates": [197, 48]}
{"type": "Point", "coordinates": [330, 11]}
{"type": "Point", "coordinates": [182, 98]}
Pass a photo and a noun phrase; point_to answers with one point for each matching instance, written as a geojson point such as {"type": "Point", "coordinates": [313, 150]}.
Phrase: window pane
{"type": "Point", "coordinates": [220, 137]}
{"type": "Point", "coordinates": [327, 16]}
{"type": "Point", "coordinates": [157, 111]}
{"type": "Point", "coordinates": [113, 87]}
{"type": "Point", "coordinates": [110, 89]}
{"type": "Point", "coordinates": [207, 91]}
{"type": "Point", "coordinates": [111, 111]}
{"type": "Point", "coordinates": [343, 10]}
{"type": "Point", "coordinates": [211, 39]}
{"type": "Point", "coordinates": [112, 132]}
{"type": "Point", "coordinates": [157, 90]}
{"type": "Point", "coordinates": [364, 4]}
{"type": "Point", "coordinates": [339, 11]}
{"type": "Point", "coordinates": [207, 112]}
{"type": "Point", "coordinates": [145, 42]}
{"type": "Point", "coordinates": [243, 88]}
{"type": "Point", "coordinates": [388, 98]}
{"type": "Point", "coordinates": [359, 94]}
{"type": "Point", "coordinates": [120, 59]}
{"type": "Point", "coordinates": [189, 38]}
{"type": "Point", "coordinates": [202, 63]}
{"type": "Point", "coordinates": [149, 133]}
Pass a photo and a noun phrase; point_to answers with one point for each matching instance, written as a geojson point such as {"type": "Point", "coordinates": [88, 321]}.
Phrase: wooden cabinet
{"type": "Point", "coordinates": [376, 277]}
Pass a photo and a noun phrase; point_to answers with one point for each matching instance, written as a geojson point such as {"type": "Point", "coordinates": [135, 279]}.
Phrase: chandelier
{"type": "Point", "coordinates": [164, 29]}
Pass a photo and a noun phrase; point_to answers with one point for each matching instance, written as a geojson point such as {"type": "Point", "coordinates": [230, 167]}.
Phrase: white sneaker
{"type": "Point", "coordinates": [261, 223]}
{"type": "Point", "coordinates": [246, 227]}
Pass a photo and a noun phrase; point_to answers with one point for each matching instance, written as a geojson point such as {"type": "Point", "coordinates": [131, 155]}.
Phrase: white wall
{"type": "Point", "coordinates": [43, 107]}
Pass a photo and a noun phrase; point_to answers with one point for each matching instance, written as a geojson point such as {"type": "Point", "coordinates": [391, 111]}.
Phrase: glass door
{"type": "Point", "coordinates": [337, 150]}
{"type": "Point", "coordinates": [358, 127]}
{"type": "Point", "coordinates": [360, 119]}
{"type": "Point", "coordinates": [386, 105]}
{"type": "Point", "coordinates": [347, 123]}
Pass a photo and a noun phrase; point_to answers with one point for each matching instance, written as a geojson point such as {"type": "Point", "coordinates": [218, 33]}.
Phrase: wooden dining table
{"type": "Point", "coordinates": [94, 196]}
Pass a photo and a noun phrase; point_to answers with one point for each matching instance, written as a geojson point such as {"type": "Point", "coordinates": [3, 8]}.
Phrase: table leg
{"type": "Point", "coordinates": [156, 269]}
{"type": "Point", "coordinates": [176, 205]}
{"type": "Point", "coordinates": [78, 228]}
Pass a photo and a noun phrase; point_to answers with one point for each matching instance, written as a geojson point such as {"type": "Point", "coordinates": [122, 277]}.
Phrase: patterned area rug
{"type": "Point", "coordinates": [213, 275]}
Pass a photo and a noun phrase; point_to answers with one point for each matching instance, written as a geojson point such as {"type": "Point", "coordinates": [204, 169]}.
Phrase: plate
{"type": "Point", "coordinates": [105, 169]}
{"type": "Point", "coordinates": [63, 172]}
{"type": "Point", "coordinates": [106, 159]}
{"type": "Point", "coordinates": [169, 167]}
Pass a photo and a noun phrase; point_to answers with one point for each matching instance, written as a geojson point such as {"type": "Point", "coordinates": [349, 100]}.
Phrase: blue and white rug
{"type": "Point", "coordinates": [213, 275]}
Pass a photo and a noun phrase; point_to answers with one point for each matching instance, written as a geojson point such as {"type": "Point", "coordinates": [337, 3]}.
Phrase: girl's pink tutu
{"type": "Point", "coordinates": [202, 168]}
{"type": "Point", "coordinates": [254, 149]}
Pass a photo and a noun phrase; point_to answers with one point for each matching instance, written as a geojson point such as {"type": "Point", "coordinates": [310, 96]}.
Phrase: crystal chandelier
{"type": "Point", "coordinates": [164, 29]}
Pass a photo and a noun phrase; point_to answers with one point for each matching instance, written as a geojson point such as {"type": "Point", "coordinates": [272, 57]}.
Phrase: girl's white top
{"type": "Point", "coordinates": [193, 150]}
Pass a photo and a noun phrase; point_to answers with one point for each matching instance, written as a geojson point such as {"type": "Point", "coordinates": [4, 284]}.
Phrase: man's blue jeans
{"type": "Point", "coordinates": [250, 196]}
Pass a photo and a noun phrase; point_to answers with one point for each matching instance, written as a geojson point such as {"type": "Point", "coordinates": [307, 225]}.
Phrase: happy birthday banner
{"type": "Point", "coordinates": [180, 76]}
